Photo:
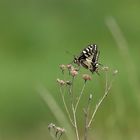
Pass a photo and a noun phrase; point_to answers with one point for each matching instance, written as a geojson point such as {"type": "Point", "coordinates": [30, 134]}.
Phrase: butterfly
{"type": "Point", "coordinates": [88, 58]}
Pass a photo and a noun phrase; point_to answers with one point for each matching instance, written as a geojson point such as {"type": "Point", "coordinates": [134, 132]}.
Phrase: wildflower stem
{"type": "Point", "coordinates": [71, 90]}
{"type": "Point", "coordinates": [86, 112]}
{"type": "Point", "coordinates": [107, 89]}
{"type": "Point", "coordinates": [86, 128]}
{"type": "Point", "coordinates": [65, 105]}
{"type": "Point", "coordinates": [75, 122]}
{"type": "Point", "coordinates": [81, 93]}
{"type": "Point", "coordinates": [106, 80]}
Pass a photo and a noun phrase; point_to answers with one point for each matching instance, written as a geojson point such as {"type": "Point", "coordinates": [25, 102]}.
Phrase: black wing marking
{"type": "Point", "coordinates": [89, 57]}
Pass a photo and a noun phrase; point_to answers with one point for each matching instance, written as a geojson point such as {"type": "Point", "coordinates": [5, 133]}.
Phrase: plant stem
{"type": "Point", "coordinates": [75, 123]}
{"type": "Point", "coordinates": [107, 89]}
{"type": "Point", "coordinates": [86, 111]}
{"type": "Point", "coordinates": [66, 108]}
{"type": "Point", "coordinates": [81, 93]}
{"type": "Point", "coordinates": [106, 80]}
{"type": "Point", "coordinates": [71, 90]}
{"type": "Point", "coordinates": [86, 127]}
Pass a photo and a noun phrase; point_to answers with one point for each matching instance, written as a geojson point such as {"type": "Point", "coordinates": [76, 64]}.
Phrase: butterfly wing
{"type": "Point", "coordinates": [89, 57]}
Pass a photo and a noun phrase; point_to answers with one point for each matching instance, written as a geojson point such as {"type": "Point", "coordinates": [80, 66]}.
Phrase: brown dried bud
{"type": "Point", "coordinates": [61, 82]}
{"type": "Point", "coordinates": [62, 67]}
{"type": "Point", "coordinates": [69, 66]}
{"type": "Point", "coordinates": [51, 125]}
{"type": "Point", "coordinates": [60, 129]}
{"type": "Point", "coordinates": [86, 77]}
{"type": "Point", "coordinates": [69, 83]}
{"type": "Point", "coordinates": [73, 72]}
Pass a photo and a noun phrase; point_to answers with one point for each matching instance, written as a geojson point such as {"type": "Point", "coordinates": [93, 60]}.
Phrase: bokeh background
{"type": "Point", "coordinates": [36, 36]}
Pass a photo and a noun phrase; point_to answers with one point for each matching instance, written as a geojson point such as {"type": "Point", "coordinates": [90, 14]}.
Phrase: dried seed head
{"type": "Point", "coordinates": [73, 72]}
{"type": "Point", "coordinates": [69, 66]}
{"type": "Point", "coordinates": [59, 129]}
{"type": "Point", "coordinates": [115, 72]}
{"type": "Point", "coordinates": [86, 77]}
{"type": "Point", "coordinates": [51, 125]}
{"type": "Point", "coordinates": [62, 67]}
{"type": "Point", "coordinates": [90, 97]}
{"type": "Point", "coordinates": [59, 132]}
{"type": "Point", "coordinates": [69, 83]}
{"type": "Point", "coordinates": [61, 82]}
{"type": "Point", "coordinates": [106, 68]}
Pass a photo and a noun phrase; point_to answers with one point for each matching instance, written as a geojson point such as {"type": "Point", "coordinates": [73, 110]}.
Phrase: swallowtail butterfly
{"type": "Point", "coordinates": [89, 58]}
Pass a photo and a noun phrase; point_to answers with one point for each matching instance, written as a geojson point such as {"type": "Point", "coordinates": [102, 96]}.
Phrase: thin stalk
{"type": "Point", "coordinates": [71, 90]}
{"type": "Point", "coordinates": [86, 127]}
{"type": "Point", "coordinates": [65, 105]}
{"type": "Point", "coordinates": [106, 81]}
{"type": "Point", "coordinates": [86, 111]}
{"type": "Point", "coordinates": [71, 87]}
{"type": "Point", "coordinates": [100, 102]}
{"type": "Point", "coordinates": [81, 93]}
{"type": "Point", "coordinates": [75, 123]}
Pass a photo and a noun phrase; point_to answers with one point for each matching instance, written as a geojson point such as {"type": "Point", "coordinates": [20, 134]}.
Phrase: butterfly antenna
{"type": "Point", "coordinates": [68, 52]}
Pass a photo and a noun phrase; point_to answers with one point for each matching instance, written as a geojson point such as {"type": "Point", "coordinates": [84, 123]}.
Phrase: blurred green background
{"type": "Point", "coordinates": [35, 36]}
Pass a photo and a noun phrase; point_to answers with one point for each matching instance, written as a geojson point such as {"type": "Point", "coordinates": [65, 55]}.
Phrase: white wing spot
{"type": "Point", "coordinates": [95, 47]}
{"type": "Point", "coordinates": [84, 52]}
{"type": "Point", "coordinates": [86, 55]}
{"type": "Point", "coordinates": [87, 49]}
{"type": "Point", "coordinates": [90, 47]}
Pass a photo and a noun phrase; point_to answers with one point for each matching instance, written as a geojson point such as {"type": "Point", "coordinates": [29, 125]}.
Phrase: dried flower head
{"type": "Point", "coordinates": [73, 72]}
{"type": "Point", "coordinates": [62, 67]}
{"type": "Point", "coordinates": [61, 130]}
{"type": "Point", "coordinates": [57, 130]}
{"type": "Point", "coordinates": [61, 82]}
{"type": "Point", "coordinates": [86, 77]}
{"type": "Point", "coordinates": [90, 97]}
{"type": "Point", "coordinates": [51, 125]}
{"type": "Point", "coordinates": [115, 72]}
{"type": "Point", "coordinates": [105, 68]}
{"type": "Point", "coordinates": [69, 83]}
{"type": "Point", "coordinates": [69, 66]}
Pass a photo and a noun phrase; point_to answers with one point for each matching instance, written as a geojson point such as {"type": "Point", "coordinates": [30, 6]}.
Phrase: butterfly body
{"type": "Point", "coordinates": [88, 58]}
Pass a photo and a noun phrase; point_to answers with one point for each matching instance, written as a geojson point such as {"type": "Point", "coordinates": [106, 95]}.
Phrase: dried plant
{"type": "Point", "coordinates": [55, 131]}
{"type": "Point", "coordinates": [71, 107]}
